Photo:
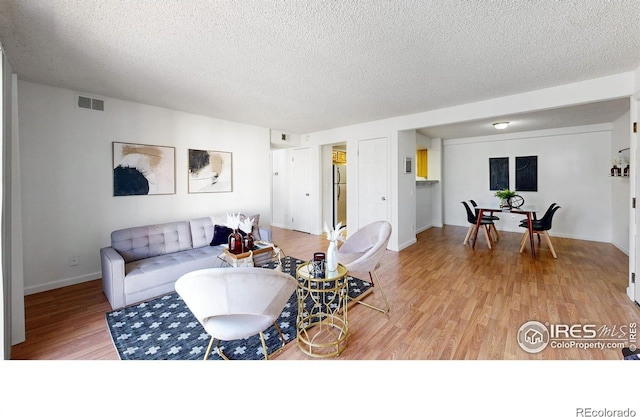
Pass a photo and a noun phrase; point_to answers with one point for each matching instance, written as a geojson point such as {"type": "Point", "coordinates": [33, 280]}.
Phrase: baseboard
{"type": "Point", "coordinates": [630, 292]}
{"type": "Point", "coordinates": [62, 283]}
{"type": "Point", "coordinates": [407, 244]}
{"type": "Point", "coordinates": [423, 228]}
{"type": "Point", "coordinates": [281, 226]}
{"type": "Point", "coordinates": [552, 233]}
{"type": "Point", "coordinates": [578, 237]}
{"type": "Point", "coordinates": [623, 250]}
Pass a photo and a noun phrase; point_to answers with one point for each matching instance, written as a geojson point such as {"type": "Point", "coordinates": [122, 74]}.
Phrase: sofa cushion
{"type": "Point", "coordinates": [201, 231]}
{"type": "Point", "coordinates": [143, 242]}
{"type": "Point", "coordinates": [160, 270]}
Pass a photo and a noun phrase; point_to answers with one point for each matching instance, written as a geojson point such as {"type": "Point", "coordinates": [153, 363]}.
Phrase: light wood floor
{"type": "Point", "coordinates": [448, 301]}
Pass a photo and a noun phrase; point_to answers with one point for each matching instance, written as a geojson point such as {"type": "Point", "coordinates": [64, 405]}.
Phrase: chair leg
{"type": "Point", "coordinates": [469, 233]}
{"type": "Point", "coordinates": [486, 235]}
{"type": "Point", "coordinates": [384, 296]}
{"type": "Point", "coordinates": [548, 239]}
{"type": "Point", "coordinates": [264, 346]}
{"type": "Point", "coordinates": [222, 355]}
{"type": "Point", "coordinates": [495, 232]}
{"type": "Point", "coordinates": [208, 352]}
{"type": "Point", "coordinates": [523, 243]}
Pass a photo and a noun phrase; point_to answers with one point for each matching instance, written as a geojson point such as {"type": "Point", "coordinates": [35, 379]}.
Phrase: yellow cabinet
{"type": "Point", "coordinates": [422, 163]}
{"type": "Point", "coordinates": [339, 157]}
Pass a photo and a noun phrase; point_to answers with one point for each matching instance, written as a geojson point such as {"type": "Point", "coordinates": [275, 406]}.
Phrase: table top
{"type": "Point", "coordinates": [257, 251]}
{"type": "Point", "coordinates": [305, 271]}
{"type": "Point", "coordinates": [527, 208]}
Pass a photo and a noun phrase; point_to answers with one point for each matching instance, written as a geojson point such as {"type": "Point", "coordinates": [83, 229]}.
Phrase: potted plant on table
{"type": "Point", "coordinates": [504, 196]}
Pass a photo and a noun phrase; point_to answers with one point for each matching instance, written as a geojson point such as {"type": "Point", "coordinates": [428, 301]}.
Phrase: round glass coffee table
{"type": "Point", "coordinates": [322, 326]}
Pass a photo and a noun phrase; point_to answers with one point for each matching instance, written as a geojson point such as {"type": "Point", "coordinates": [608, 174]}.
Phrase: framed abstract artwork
{"type": "Point", "coordinates": [527, 173]}
{"type": "Point", "coordinates": [210, 171]}
{"type": "Point", "coordinates": [498, 173]}
{"type": "Point", "coordinates": [143, 169]}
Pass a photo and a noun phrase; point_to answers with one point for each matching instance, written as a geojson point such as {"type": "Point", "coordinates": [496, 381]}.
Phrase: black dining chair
{"type": "Point", "coordinates": [473, 219]}
{"type": "Point", "coordinates": [489, 216]}
{"type": "Point", "coordinates": [546, 214]}
{"type": "Point", "coordinates": [541, 227]}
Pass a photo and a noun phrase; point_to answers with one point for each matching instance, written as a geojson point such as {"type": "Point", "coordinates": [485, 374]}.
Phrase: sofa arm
{"type": "Point", "coordinates": [265, 234]}
{"type": "Point", "coordinates": [113, 276]}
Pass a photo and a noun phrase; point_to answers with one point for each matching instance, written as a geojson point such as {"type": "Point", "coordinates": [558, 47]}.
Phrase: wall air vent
{"type": "Point", "coordinates": [90, 103]}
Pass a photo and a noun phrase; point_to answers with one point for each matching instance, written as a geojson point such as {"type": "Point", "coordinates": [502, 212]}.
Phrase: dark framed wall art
{"type": "Point", "coordinates": [143, 169]}
{"type": "Point", "coordinates": [210, 171]}
{"type": "Point", "coordinates": [499, 173]}
{"type": "Point", "coordinates": [526, 173]}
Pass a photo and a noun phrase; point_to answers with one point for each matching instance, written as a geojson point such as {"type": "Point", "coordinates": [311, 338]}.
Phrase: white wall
{"type": "Point", "coordinates": [573, 171]}
{"type": "Point", "coordinates": [424, 210]}
{"type": "Point", "coordinates": [423, 189]}
{"type": "Point", "coordinates": [604, 88]}
{"type": "Point", "coordinates": [429, 194]}
{"type": "Point", "coordinates": [620, 187]}
{"type": "Point", "coordinates": [406, 187]}
{"type": "Point", "coordinates": [66, 168]}
{"type": "Point", "coordinates": [18, 330]}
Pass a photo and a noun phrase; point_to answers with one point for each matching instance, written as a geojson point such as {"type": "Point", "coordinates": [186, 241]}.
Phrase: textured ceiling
{"type": "Point", "coordinates": [311, 65]}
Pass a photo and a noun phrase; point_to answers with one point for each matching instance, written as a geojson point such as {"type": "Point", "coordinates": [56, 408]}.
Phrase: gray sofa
{"type": "Point", "coordinates": [144, 262]}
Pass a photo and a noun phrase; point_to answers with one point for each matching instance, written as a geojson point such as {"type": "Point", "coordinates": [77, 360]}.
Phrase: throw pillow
{"type": "Point", "coordinates": [220, 235]}
{"type": "Point", "coordinates": [256, 221]}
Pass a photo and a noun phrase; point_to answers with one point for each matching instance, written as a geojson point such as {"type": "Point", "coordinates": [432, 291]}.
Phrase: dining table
{"type": "Point", "coordinates": [529, 211]}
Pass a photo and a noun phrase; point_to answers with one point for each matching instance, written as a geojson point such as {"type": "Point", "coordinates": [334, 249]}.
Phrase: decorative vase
{"type": "Point", "coordinates": [248, 242]}
{"type": "Point", "coordinates": [332, 256]}
{"type": "Point", "coordinates": [235, 242]}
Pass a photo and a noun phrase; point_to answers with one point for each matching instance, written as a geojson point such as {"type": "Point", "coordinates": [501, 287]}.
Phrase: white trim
{"type": "Point", "coordinates": [62, 283]}
{"type": "Point", "coordinates": [405, 245]}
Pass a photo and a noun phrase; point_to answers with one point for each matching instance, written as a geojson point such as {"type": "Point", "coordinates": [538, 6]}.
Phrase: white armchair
{"type": "Point", "coordinates": [363, 251]}
{"type": "Point", "coordinates": [236, 303]}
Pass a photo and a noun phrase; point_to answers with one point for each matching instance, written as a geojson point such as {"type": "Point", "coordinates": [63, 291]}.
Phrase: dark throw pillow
{"type": "Point", "coordinates": [220, 235]}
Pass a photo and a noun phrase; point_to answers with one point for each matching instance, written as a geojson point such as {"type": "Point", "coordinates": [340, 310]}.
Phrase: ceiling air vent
{"type": "Point", "coordinates": [90, 103]}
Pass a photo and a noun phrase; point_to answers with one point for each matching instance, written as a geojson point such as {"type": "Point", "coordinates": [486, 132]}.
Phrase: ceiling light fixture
{"type": "Point", "coordinates": [501, 125]}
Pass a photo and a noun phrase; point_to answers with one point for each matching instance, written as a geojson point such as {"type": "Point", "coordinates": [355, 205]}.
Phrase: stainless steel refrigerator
{"type": "Point", "coordinates": [340, 194]}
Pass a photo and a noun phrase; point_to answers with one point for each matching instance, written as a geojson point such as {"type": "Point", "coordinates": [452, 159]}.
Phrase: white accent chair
{"type": "Point", "coordinates": [236, 303]}
{"type": "Point", "coordinates": [363, 251]}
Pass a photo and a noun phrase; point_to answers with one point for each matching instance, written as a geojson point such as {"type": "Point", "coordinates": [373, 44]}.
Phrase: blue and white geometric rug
{"type": "Point", "coordinates": [165, 329]}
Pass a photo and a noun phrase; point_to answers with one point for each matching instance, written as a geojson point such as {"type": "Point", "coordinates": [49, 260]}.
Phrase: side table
{"type": "Point", "coordinates": [322, 326]}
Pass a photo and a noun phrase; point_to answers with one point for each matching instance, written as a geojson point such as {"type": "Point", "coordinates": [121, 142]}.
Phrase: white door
{"type": "Point", "coordinates": [301, 190]}
{"type": "Point", "coordinates": [281, 188]}
{"type": "Point", "coordinates": [373, 181]}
